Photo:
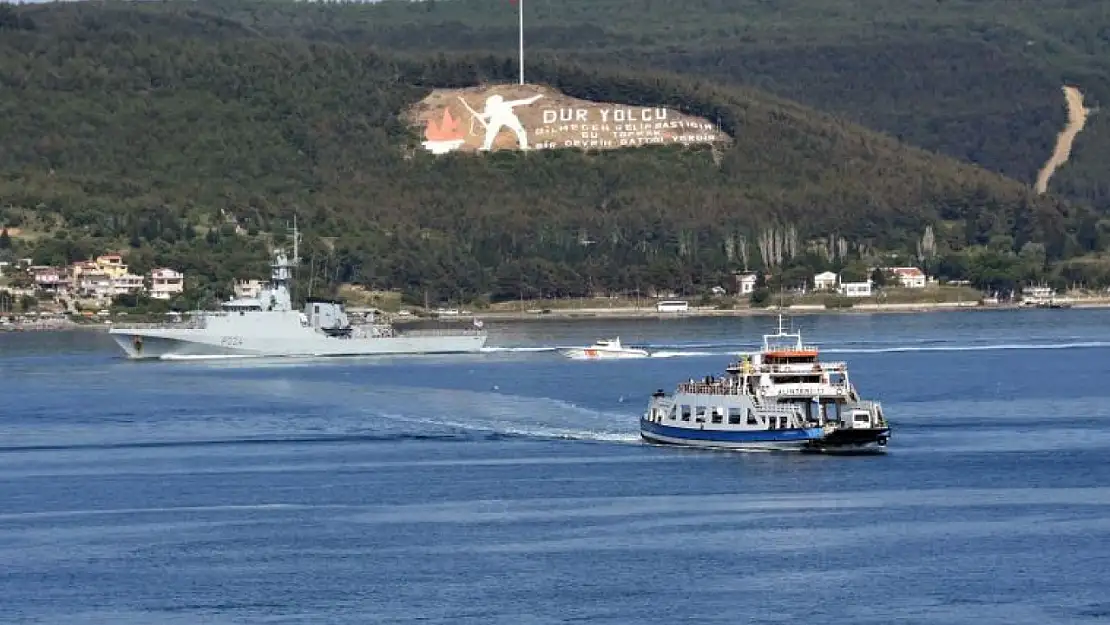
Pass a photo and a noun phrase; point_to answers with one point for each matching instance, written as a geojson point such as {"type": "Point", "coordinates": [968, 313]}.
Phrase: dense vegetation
{"type": "Point", "coordinates": [978, 80]}
{"type": "Point", "coordinates": [160, 128]}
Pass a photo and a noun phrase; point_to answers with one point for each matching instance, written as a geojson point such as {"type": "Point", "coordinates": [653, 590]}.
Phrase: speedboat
{"type": "Point", "coordinates": [604, 349]}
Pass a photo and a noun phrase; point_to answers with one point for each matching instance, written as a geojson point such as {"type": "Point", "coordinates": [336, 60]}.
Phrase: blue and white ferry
{"type": "Point", "coordinates": [782, 397]}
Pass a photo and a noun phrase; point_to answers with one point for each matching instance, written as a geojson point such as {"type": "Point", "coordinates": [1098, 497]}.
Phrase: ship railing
{"type": "Point", "coordinates": [792, 347]}
{"type": "Point", "coordinates": [805, 367]}
{"type": "Point", "coordinates": [441, 332]}
{"type": "Point", "coordinates": [701, 388]}
{"type": "Point", "coordinates": [778, 409]}
{"type": "Point", "coordinates": [192, 323]}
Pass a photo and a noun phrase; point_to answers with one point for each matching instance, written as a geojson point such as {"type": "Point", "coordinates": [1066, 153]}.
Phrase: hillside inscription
{"type": "Point", "coordinates": [529, 117]}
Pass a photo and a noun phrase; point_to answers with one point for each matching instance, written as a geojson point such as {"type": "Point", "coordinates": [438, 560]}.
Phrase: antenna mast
{"type": "Point", "coordinates": [296, 242]}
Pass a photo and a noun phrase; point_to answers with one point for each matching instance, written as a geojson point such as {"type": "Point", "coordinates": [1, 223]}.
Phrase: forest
{"type": "Point", "coordinates": [978, 80]}
{"type": "Point", "coordinates": [190, 136]}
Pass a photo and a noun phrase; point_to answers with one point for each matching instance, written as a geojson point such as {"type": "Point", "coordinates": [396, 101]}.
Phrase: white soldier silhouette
{"type": "Point", "coordinates": [499, 114]}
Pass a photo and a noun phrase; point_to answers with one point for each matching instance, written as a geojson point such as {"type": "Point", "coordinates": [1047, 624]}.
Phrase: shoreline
{"type": "Point", "coordinates": [585, 314]}
{"type": "Point", "coordinates": [633, 313]}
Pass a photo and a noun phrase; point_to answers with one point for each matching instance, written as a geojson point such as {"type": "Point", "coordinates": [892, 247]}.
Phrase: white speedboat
{"type": "Point", "coordinates": [604, 349]}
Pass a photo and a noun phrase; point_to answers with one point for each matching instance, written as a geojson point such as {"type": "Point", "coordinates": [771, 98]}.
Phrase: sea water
{"type": "Point", "coordinates": [511, 486]}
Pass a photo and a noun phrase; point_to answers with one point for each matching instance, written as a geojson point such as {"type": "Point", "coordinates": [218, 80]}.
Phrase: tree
{"type": "Point", "coordinates": [761, 294]}
{"type": "Point", "coordinates": [22, 280]}
{"type": "Point", "coordinates": [878, 277]}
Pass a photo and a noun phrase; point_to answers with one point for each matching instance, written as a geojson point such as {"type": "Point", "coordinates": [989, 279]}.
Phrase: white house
{"type": "Point", "coordinates": [94, 284]}
{"type": "Point", "coordinates": [825, 281]}
{"type": "Point", "coordinates": [745, 282]}
{"type": "Point", "coordinates": [248, 289]}
{"type": "Point", "coordinates": [49, 279]}
{"type": "Point", "coordinates": [126, 283]}
{"type": "Point", "coordinates": [909, 277]}
{"type": "Point", "coordinates": [166, 283]}
{"type": "Point", "coordinates": [856, 289]}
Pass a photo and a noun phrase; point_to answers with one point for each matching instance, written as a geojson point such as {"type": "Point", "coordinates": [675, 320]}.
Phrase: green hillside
{"type": "Point", "coordinates": [156, 129]}
{"type": "Point", "coordinates": [978, 80]}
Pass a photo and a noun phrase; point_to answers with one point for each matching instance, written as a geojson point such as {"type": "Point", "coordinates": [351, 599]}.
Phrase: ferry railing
{"type": "Point", "coordinates": [804, 367]}
{"type": "Point", "coordinates": [701, 388]}
{"type": "Point", "coordinates": [791, 347]}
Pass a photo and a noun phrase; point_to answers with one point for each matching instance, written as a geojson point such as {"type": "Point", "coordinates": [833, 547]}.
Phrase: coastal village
{"type": "Point", "coordinates": [85, 288]}
{"type": "Point", "coordinates": [41, 296]}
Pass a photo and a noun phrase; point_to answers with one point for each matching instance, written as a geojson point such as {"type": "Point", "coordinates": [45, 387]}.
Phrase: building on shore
{"type": "Point", "coordinates": [166, 283]}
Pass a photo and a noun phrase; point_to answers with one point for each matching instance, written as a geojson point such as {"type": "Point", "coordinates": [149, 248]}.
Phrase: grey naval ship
{"type": "Point", "coordinates": [269, 326]}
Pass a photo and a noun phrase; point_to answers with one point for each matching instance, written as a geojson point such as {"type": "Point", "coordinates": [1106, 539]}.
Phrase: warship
{"type": "Point", "coordinates": [269, 326]}
{"type": "Point", "coordinates": [783, 397]}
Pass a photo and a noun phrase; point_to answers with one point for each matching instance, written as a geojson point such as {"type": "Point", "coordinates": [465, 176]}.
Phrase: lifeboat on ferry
{"type": "Point", "coordinates": [604, 349]}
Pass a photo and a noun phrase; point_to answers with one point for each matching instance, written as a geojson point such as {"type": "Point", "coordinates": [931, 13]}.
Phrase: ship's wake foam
{"type": "Point", "coordinates": [704, 350]}
{"type": "Point", "coordinates": [512, 416]}
{"type": "Point", "coordinates": [284, 412]}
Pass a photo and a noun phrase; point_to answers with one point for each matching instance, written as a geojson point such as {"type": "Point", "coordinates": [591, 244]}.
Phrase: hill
{"type": "Point", "coordinates": [978, 80]}
{"type": "Point", "coordinates": [127, 127]}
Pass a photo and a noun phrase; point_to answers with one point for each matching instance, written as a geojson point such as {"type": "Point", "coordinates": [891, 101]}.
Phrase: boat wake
{"type": "Point", "coordinates": [702, 350]}
{"type": "Point", "coordinates": [965, 348]}
{"type": "Point", "coordinates": [515, 416]}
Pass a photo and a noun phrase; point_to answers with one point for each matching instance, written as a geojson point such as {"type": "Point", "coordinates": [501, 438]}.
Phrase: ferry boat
{"type": "Point", "coordinates": [604, 349]}
{"type": "Point", "coordinates": [783, 397]}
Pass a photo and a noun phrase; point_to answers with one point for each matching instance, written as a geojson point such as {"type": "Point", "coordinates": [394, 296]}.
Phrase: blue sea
{"type": "Point", "coordinates": [511, 487]}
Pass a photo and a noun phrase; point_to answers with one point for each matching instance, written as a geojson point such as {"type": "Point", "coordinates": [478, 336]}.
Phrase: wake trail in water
{"type": "Point", "coordinates": [851, 347]}
{"type": "Point", "coordinates": [967, 348]}
{"type": "Point", "coordinates": [514, 416]}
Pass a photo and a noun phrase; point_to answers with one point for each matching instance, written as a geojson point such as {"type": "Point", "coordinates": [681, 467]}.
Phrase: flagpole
{"type": "Point", "coordinates": [520, 13]}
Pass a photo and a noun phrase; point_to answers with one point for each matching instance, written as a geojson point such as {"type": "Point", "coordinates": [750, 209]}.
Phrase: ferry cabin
{"type": "Point", "coordinates": [720, 402]}
{"type": "Point", "coordinates": [796, 377]}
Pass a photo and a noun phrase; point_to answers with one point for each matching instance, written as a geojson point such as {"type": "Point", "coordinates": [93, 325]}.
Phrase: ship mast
{"type": "Point", "coordinates": [296, 243]}
{"type": "Point", "coordinates": [295, 261]}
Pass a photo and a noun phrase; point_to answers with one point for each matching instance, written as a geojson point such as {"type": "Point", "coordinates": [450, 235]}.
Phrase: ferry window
{"type": "Point", "coordinates": [685, 413]}
{"type": "Point", "coordinates": [717, 416]}
{"type": "Point", "coordinates": [701, 413]}
{"type": "Point", "coordinates": [673, 414]}
{"type": "Point", "coordinates": [751, 418]}
{"type": "Point", "coordinates": [735, 415]}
